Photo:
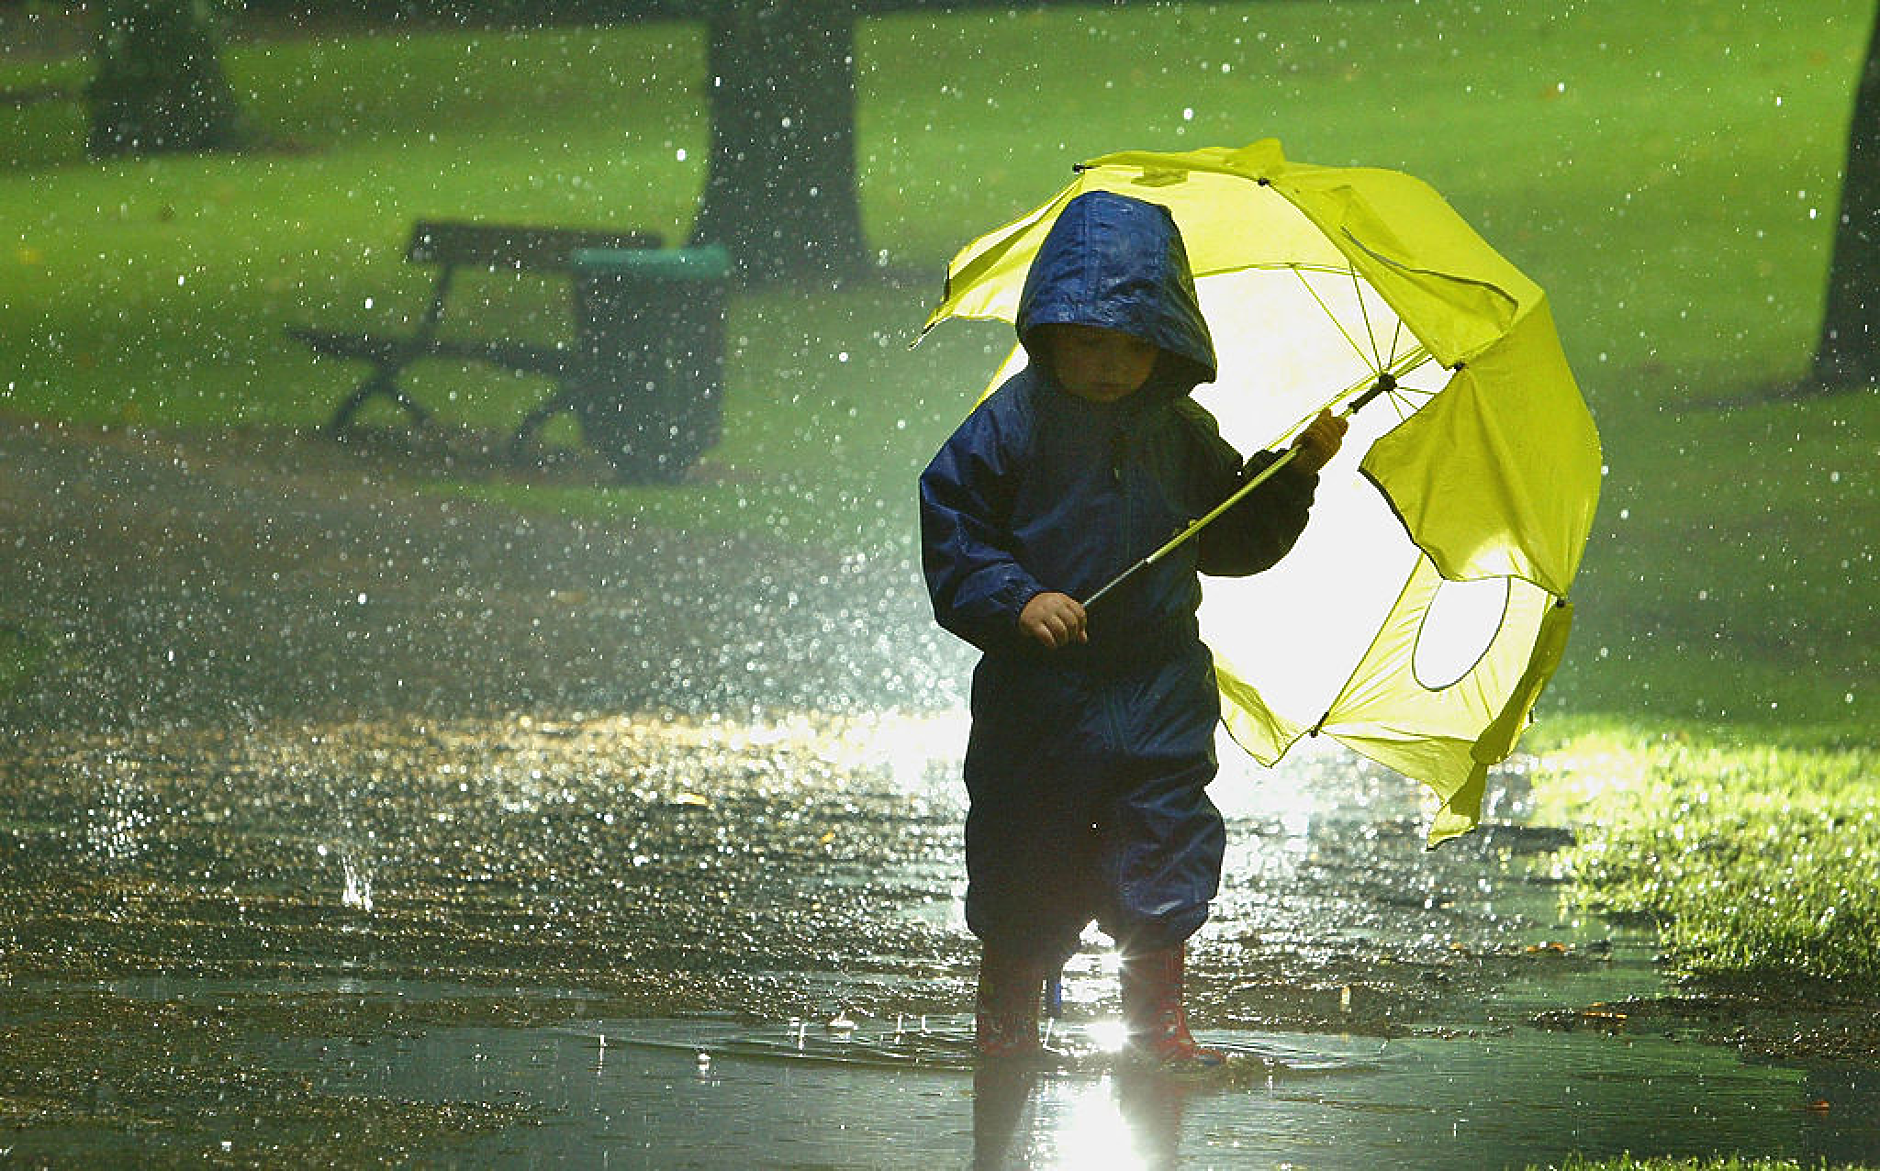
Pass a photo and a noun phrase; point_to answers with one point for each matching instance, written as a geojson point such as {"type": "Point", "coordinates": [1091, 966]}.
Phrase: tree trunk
{"type": "Point", "coordinates": [159, 85]}
{"type": "Point", "coordinates": [1848, 353]}
{"type": "Point", "coordinates": [780, 192]}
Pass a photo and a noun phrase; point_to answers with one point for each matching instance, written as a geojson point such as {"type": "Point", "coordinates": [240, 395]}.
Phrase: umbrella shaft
{"type": "Point", "coordinates": [1195, 526]}
{"type": "Point", "coordinates": [1385, 383]}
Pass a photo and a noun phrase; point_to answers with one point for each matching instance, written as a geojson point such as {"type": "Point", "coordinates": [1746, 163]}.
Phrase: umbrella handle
{"type": "Point", "coordinates": [1386, 382]}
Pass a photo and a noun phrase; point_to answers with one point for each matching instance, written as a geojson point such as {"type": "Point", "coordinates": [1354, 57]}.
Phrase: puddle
{"type": "Point", "coordinates": [507, 942]}
{"type": "Point", "coordinates": [711, 1094]}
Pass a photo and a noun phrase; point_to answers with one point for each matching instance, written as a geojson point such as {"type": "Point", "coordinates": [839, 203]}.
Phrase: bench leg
{"type": "Point", "coordinates": [384, 381]}
{"type": "Point", "coordinates": [524, 434]}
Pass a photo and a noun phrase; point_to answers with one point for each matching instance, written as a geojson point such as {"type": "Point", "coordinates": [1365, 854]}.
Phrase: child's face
{"type": "Point", "coordinates": [1101, 365]}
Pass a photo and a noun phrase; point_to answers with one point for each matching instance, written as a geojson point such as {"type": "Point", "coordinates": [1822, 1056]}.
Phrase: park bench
{"type": "Point", "coordinates": [454, 245]}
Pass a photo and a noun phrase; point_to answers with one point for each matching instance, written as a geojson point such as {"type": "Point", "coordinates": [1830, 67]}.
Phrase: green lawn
{"type": "Point", "coordinates": [1668, 172]}
{"type": "Point", "coordinates": [1753, 857]}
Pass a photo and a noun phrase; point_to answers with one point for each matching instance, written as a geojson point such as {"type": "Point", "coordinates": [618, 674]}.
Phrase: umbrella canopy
{"type": "Point", "coordinates": [1425, 607]}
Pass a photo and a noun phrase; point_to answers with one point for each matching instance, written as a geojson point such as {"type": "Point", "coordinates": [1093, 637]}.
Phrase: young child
{"type": "Point", "coordinates": [1092, 739]}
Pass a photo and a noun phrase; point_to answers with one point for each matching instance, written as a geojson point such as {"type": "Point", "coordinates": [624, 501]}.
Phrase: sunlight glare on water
{"type": "Point", "coordinates": [1107, 1036]}
{"type": "Point", "coordinates": [917, 751]}
{"type": "Point", "coordinates": [1246, 788]}
{"type": "Point", "coordinates": [1096, 1133]}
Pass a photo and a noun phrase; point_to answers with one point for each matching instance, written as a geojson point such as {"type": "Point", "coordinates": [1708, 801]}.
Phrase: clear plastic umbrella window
{"type": "Point", "coordinates": [1418, 618]}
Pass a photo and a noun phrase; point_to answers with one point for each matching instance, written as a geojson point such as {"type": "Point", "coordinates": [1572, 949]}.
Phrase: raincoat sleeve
{"type": "Point", "coordinates": [1261, 529]}
{"type": "Point", "coordinates": [976, 584]}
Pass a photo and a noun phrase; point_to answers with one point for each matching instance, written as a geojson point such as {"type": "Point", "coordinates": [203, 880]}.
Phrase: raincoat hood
{"type": "Point", "coordinates": [1118, 263]}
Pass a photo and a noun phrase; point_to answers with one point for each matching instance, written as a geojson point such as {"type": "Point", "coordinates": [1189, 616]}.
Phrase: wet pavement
{"type": "Point", "coordinates": [224, 579]}
{"type": "Point", "coordinates": [351, 825]}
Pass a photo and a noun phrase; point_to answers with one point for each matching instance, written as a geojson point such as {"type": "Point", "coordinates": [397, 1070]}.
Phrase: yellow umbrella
{"type": "Point", "coordinates": [1425, 607]}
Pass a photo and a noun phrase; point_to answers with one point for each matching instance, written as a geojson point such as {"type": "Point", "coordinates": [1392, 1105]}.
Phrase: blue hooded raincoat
{"type": "Point", "coordinates": [1087, 766]}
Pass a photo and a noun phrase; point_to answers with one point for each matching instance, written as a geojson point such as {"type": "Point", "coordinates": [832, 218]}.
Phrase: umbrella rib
{"type": "Point", "coordinates": [1336, 324]}
{"type": "Point", "coordinates": [1370, 334]}
{"type": "Point", "coordinates": [1401, 396]}
{"type": "Point", "coordinates": [1405, 404]}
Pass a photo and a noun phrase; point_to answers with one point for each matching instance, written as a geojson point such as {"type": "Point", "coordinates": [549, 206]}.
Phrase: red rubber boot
{"type": "Point", "coordinates": [1153, 1013]}
{"type": "Point", "coordinates": [1005, 1016]}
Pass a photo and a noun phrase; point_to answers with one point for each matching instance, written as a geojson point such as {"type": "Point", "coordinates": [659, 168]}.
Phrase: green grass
{"type": "Point", "coordinates": [1626, 155]}
{"type": "Point", "coordinates": [1668, 172]}
{"type": "Point", "coordinates": [1752, 857]}
{"type": "Point", "coordinates": [1731, 575]}
{"type": "Point", "coordinates": [156, 291]}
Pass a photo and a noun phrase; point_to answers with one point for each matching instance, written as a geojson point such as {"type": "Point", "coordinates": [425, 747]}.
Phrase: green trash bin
{"type": "Point", "coordinates": [650, 332]}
